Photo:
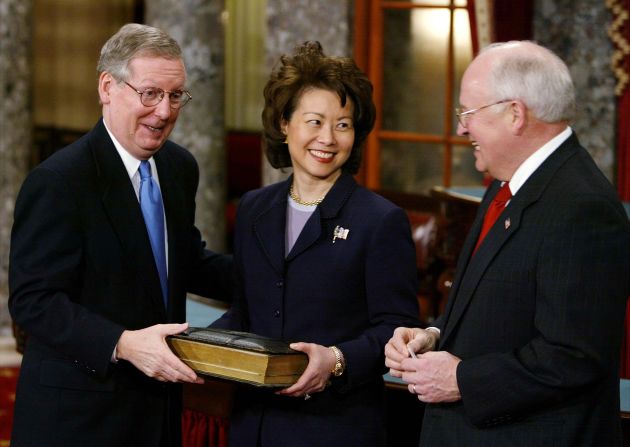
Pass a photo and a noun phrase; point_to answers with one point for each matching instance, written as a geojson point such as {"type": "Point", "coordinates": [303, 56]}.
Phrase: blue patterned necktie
{"type": "Point", "coordinates": [153, 212]}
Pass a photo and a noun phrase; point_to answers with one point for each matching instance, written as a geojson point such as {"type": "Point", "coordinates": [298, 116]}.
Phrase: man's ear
{"type": "Point", "coordinates": [519, 116]}
{"type": "Point", "coordinates": [105, 84]}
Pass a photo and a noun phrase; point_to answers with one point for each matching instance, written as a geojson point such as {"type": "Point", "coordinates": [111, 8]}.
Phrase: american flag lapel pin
{"type": "Point", "coordinates": [507, 223]}
{"type": "Point", "coordinates": [340, 233]}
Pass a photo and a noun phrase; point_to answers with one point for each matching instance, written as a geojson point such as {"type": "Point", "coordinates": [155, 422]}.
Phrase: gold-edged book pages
{"type": "Point", "coordinates": [239, 356]}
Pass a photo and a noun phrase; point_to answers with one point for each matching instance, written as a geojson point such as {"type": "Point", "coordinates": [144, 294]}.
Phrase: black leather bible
{"type": "Point", "coordinates": [239, 356]}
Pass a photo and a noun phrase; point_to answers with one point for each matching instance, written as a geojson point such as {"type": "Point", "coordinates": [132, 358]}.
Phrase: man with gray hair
{"type": "Point", "coordinates": [527, 351]}
{"type": "Point", "coordinates": [103, 251]}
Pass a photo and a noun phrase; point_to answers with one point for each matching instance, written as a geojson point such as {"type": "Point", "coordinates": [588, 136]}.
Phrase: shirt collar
{"type": "Point", "coordinates": [527, 168]}
{"type": "Point", "coordinates": [131, 163]}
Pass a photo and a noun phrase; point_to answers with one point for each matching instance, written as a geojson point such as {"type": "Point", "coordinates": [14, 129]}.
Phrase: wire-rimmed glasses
{"type": "Point", "coordinates": [152, 96]}
{"type": "Point", "coordinates": [463, 115]}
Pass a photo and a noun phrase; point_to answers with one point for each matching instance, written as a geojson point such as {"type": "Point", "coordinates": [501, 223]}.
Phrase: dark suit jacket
{"type": "Point", "coordinates": [350, 292]}
{"type": "Point", "coordinates": [81, 272]}
{"type": "Point", "coordinates": [536, 315]}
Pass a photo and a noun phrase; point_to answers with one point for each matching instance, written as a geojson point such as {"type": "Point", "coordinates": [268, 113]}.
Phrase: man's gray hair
{"type": "Point", "coordinates": [535, 75]}
{"type": "Point", "coordinates": [135, 40]}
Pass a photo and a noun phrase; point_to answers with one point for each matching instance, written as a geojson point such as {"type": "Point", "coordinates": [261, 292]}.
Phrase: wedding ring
{"type": "Point", "coordinates": [307, 396]}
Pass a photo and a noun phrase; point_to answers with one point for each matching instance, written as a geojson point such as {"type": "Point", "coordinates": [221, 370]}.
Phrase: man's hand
{"type": "Point", "coordinates": [433, 376]}
{"type": "Point", "coordinates": [424, 341]}
{"type": "Point", "coordinates": [405, 340]}
{"type": "Point", "coordinates": [147, 350]}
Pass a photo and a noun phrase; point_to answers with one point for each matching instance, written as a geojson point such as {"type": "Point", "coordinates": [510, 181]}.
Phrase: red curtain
{"type": "Point", "coordinates": [201, 430]}
{"type": "Point", "coordinates": [623, 145]}
{"type": "Point", "coordinates": [619, 32]}
{"type": "Point", "coordinates": [625, 346]}
{"type": "Point", "coordinates": [623, 185]}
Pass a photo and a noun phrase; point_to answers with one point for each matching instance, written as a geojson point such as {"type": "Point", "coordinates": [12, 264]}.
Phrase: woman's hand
{"type": "Point", "coordinates": [317, 373]}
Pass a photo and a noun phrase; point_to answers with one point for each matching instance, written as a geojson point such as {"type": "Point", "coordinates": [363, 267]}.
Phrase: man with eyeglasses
{"type": "Point", "coordinates": [103, 251]}
{"type": "Point", "coordinates": [527, 351]}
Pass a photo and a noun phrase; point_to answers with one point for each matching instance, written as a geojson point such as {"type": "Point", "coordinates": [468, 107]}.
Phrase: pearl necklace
{"type": "Point", "coordinates": [297, 199]}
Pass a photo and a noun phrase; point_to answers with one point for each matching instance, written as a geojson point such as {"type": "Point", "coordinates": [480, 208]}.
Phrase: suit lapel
{"type": "Point", "coordinates": [477, 264]}
{"type": "Point", "coordinates": [465, 253]}
{"type": "Point", "coordinates": [269, 227]}
{"type": "Point", "coordinates": [173, 197]}
{"type": "Point", "coordinates": [308, 236]}
{"type": "Point", "coordinates": [328, 209]}
{"type": "Point", "coordinates": [123, 210]}
{"type": "Point", "coordinates": [470, 273]}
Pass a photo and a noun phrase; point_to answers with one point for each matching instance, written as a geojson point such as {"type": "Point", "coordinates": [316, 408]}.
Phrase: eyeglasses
{"type": "Point", "coordinates": [152, 96]}
{"type": "Point", "coordinates": [463, 115]}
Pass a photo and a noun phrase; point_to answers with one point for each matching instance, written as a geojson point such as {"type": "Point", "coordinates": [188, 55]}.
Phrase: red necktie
{"type": "Point", "coordinates": [493, 212]}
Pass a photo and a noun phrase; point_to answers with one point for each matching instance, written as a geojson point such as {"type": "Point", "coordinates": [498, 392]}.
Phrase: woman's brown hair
{"type": "Point", "coordinates": [307, 69]}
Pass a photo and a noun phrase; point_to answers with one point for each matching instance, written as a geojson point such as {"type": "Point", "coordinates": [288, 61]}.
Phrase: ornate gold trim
{"type": "Point", "coordinates": [622, 47]}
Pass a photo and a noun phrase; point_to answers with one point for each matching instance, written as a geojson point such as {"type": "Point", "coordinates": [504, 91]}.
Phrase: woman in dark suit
{"type": "Point", "coordinates": [322, 262]}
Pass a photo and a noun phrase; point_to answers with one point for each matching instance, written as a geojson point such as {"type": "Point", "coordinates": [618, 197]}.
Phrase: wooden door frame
{"type": "Point", "coordinates": [368, 53]}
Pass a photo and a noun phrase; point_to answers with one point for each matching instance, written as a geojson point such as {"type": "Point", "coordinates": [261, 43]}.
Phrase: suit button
{"type": "Point", "coordinates": [276, 314]}
{"type": "Point", "coordinates": [279, 284]}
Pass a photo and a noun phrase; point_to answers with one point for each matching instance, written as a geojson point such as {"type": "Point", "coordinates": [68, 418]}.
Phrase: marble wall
{"type": "Point", "coordinates": [291, 22]}
{"type": "Point", "coordinates": [587, 51]}
{"type": "Point", "coordinates": [197, 26]}
{"type": "Point", "coordinates": [15, 125]}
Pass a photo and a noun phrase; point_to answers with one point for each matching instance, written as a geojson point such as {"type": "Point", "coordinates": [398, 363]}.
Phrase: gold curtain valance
{"type": "Point", "coordinates": [619, 32]}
